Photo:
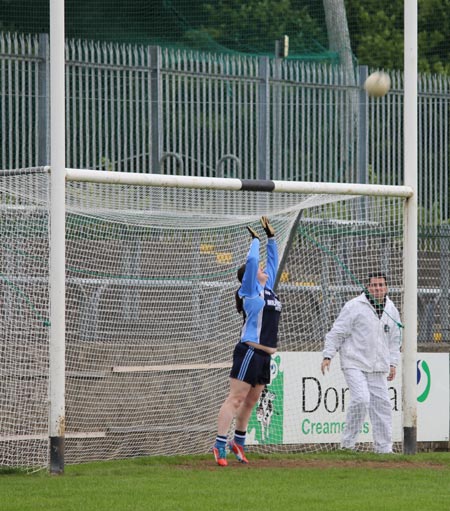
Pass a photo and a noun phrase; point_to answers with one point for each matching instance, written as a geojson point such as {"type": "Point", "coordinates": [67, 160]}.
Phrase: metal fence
{"type": "Point", "coordinates": [149, 109]}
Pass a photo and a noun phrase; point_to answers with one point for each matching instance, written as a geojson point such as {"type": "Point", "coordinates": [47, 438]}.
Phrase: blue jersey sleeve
{"type": "Point", "coordinates": [272, 262]}
{"type": "Point", "coordinates": [249, 284]}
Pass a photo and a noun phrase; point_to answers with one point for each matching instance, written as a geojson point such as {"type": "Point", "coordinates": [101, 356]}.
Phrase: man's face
{"type": "Point", "coordinates": [377, 288]}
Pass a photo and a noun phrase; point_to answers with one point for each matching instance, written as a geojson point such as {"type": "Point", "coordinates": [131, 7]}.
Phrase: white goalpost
{"type": "Point", "coordinates": [411, 222]}
{"type": "Point", "coordinates": [150, 274]}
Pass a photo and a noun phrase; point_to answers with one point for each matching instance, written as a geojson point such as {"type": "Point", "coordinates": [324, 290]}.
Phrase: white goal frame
{"type": "Point", "coordinates": [57, 248]}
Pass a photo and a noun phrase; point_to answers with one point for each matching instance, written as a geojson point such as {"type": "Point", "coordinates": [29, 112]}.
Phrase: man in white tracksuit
{"type": "Point", "coordinates": [367, 336]}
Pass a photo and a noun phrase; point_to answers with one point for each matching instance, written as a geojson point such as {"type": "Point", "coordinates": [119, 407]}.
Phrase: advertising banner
{"type": "Point", "coordinates": [302, 406]}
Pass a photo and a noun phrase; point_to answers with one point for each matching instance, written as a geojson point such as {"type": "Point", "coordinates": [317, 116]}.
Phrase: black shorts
{"type": "Point", "coordinates": [250, 365]}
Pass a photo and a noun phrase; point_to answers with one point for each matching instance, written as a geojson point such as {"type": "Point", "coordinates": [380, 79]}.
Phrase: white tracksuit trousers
{"type": "Point", "coordinates": [368, 392]}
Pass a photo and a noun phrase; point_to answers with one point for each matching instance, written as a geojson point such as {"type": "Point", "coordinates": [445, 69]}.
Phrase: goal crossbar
{"type": "Point", "coordinates": [233, 184]}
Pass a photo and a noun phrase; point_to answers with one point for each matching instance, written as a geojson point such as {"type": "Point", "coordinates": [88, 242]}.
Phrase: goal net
{"type": "Point", "coordinates": [150, 316]}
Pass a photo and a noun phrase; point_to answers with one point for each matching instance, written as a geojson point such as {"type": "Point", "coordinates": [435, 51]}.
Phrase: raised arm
{"type": "Point", "coordinates": [248, 286]}
{"type": "Point", "coordinates": [272, 252]}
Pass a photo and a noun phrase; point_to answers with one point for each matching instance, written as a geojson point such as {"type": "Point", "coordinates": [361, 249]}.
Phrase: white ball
{"type": "Point", "coordinates": [377, 84]}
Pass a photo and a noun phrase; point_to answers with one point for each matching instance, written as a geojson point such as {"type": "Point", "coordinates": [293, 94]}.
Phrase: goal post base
{"type": "Point", "coordinates": [409, 440]}
{"type": "Point", "coordinates": [57, 455]}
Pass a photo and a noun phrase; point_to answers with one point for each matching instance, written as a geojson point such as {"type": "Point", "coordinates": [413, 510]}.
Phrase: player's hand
{"type": "Point", "coordinates": [253, 233]}
{"type": "Point", "coordinates": [270, 231]}
{"type": "Point", "coordinates": [325, 365]}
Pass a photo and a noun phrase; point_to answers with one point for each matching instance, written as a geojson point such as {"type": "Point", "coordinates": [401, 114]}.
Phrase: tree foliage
{"type": "Point", "coordinates": [375, 26]}
{"type": "Point", "coordinates": [255, 25]}
{"type": "Point", "coordinates": [377, 33]}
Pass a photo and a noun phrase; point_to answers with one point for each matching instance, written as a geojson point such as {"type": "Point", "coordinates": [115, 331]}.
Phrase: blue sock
{"type": "Point", "coordinates": [221, 442]}
{"type": "Point", "coordinates": [239, 437]}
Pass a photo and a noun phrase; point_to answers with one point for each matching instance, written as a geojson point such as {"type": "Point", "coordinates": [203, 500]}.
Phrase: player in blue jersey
{"type": "Point", "coordinates": [261, 309]}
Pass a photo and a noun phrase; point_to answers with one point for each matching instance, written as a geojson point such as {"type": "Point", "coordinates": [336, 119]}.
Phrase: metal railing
{"type": "Point", "coordinates": [149, 109]}
{"type": "Point", "coordinates": [129, 107]}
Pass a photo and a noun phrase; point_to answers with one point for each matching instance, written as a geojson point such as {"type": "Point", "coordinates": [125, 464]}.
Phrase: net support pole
{"type": "Point", "coordinates": [409, 351]}
{"type": "Point", "coordinates": [57, 239]}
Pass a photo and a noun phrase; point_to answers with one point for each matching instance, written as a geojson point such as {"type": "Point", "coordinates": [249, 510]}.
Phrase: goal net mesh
{"type": "Point", "coordinates": [150, 316]}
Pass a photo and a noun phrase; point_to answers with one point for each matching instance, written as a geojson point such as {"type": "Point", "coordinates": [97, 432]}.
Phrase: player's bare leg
{"type": "Point", "coordinates": [245, 410]}
{"type": "Point", "coordinates": [242, 419]}
{"type": "Point", "coordinates": [236, 397]}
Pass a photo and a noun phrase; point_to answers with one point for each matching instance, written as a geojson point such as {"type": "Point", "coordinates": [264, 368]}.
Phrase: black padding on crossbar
{"type": "Point", "coordinates": [257, 185]}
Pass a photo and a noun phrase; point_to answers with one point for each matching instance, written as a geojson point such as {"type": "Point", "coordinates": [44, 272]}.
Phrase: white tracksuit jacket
{"type": "Point", "coordinates": [365, 341]}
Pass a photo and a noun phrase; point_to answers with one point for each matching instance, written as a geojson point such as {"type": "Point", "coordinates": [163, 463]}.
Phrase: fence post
{"type": "Point", "coordinates": [362, 173]}
{"type": "Point", "coordinates": [264, 116]}
{"type": "Point", "coordinates": [362, 170]}
{"type": "Point", "coordinates": [445, 281]}
{"type": "Point", "coordinates": [155, 108]}
{"type": "Point", "coordinates": [278, 123]}
{"type": "Point", "coordinates": [43, 157]}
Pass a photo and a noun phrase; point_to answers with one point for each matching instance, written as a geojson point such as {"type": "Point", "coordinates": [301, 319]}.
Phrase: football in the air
{"type": "Point", "coordinates": [377, 84]}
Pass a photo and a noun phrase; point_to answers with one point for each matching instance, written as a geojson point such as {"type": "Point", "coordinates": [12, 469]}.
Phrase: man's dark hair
{"type": "Point", "coordinates": [377, 275]}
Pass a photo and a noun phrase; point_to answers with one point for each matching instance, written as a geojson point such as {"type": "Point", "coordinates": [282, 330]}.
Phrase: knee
{"type": "Point", "coordinates": [235, 401]}
{"type": "Point", "coordinates": [250, 401]}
